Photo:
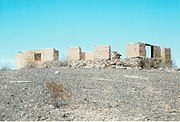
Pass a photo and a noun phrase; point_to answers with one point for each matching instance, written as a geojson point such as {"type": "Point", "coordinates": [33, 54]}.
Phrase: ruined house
{"type": "Point", "coordinates": [36, 57]}
{"type": "Point", "coordinates": [101, 52]}
{"type": "Point", "coordinates": [138, 49]}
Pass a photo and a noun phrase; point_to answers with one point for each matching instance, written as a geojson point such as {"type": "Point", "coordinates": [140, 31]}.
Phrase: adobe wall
{"type": "Point", "coordinates": [24, 59]}
{"type": "Point", "coordinates": [102, 52]}
{"type": "Point", "coordinates": [135, 50]}
{"type": "Point", "coordinates": [89, 56]}
{"type": "Point", "coordinates": [83, 55]}
{"type": "Point", "coordinates": [157, 52]}
{"type": "Point", "coordinates": [166, 56]}
{"type": "Point", "coordinates": [74, 54]}
{"type": "Point", "coordinates": [28, 57]}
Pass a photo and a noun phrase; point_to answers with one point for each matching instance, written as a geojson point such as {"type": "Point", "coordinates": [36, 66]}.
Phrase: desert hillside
{"type": "Point", "coordinates": [91, 94]}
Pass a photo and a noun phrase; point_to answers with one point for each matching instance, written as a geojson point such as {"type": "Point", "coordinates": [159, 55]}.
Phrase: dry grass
{"type": "Point", "coordinates": [57, 89]}
{"type": "Point", "coordinates": [58, 93]}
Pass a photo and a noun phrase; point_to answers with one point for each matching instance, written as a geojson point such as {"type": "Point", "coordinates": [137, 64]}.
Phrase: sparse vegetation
{"type": "Point", "coordinates": [58, 93]}
{"type": "Point", "coordinates": [5, 68]}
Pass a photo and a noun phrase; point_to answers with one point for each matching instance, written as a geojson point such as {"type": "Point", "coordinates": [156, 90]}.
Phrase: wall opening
{"type": "Point", "coordinates": [149, 51]}
{"type": "Point", "coordinates": [37, 56]}
{"type": "Point", "coordinates": [56, 55]}
{"type": "Point", "coordinates": [152, 51]}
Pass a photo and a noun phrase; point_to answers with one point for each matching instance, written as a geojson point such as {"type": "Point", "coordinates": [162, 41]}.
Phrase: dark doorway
{"type": "Point", "coordinates": [152, 51]}
{"type": "Point", "coordinates": [149, 51]}
{"type": "Point", "coordinates": [37, 56]}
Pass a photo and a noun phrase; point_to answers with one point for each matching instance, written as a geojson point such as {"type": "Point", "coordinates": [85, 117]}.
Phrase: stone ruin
{"type": "Point", "coordinates": [101, 52]}
{"type": "Point", "coordinates": [158, 54]}
{"type": "Point", "coordinates": [136, 57]}
{"type": "Point", "coordinates": [34, 58]}
{"type": "Point", "coordinates": [101, 57]}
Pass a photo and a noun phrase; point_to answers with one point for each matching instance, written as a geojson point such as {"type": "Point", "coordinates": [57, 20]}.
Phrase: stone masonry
{"type": "Point", "coordinates": [157, 52]}
{"type": "Point", "coordinates": [74, 54]}
{"type": "Point", "coordinates": [101, 55]}
{"type": "Point", "coordinates": [102, 52]}
{"type": "Point", "coordinates": [89, 56]}
{"type": "Point", "coordinates": [138, 49]}
{"type": "Point", "coordinates": [83, 55]}
{"type": "Point", "coordinates": [36, 57]}
{"type": "Point", "coordinates": [166, 56]}
{"type": "Point", "coordinates": [135, 50]}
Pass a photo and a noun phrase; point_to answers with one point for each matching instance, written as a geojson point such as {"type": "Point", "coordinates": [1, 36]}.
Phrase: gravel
{"type": "Point", "coordinates": [96, 94]}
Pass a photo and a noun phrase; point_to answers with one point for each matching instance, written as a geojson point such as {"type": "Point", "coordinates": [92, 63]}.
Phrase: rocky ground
{"type": "Point", "coordinates": [96, 94]}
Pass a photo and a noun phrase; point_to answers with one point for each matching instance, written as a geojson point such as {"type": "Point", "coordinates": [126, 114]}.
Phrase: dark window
{"type": "Point", "coordinates": [37, 56]}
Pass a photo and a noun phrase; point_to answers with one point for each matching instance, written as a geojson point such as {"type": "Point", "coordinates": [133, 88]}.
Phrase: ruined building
{"type": "Point", "coordinates": [101, 52]}
{"type": "Point", "coordinates": [138, 49]}
{"type": "Point", "coordinates": [136, 55]}
{"type": "Point", "coordinates": [36, 57]}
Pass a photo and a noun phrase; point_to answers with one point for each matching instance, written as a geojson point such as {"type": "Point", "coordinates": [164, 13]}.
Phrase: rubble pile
{"type": "Point", "coordinates": [127, 63]}
{"type": "Point", "coordinates": [116, 62]}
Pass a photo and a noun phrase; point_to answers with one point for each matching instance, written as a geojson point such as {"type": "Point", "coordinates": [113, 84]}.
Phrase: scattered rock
{"type": "Point", "coordinates": [97, 94]}
{"type": "Point", "coordinates": [57, 72]}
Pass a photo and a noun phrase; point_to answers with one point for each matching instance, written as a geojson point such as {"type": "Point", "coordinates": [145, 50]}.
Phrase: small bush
{"type": "Point", "coordinates": [58, 93]}
{"type": "Point", "coordinates": [57, 89]}
{"type": "Point", "coordinates": [5, 68]}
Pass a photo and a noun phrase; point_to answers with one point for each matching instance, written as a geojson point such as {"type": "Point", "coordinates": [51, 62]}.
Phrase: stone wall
{"type": "Point", "coordinates": [166, 56]}
{"type": "Point", "coordinates": [36, 57]}
{"type": "Point", "coordinates": [83, 55]}
{"type": "Point", "coordinates": [135, 50]}
{"type": "Point", "coordinates": [157, 52]}
{"type": "Point", "coordinates": [74, 54]}
{"type": "Point", "coordinates": [102, 52]}
{"type": "Point", "coordinates": [89, 56]}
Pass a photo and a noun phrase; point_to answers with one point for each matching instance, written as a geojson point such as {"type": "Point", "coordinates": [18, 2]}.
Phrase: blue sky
{"type": "Point", "coordinates": [38, 24]}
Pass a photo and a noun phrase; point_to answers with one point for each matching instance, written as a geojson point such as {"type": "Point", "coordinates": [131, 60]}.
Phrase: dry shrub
{"type": "Point", "coordinates": [57, 89]}
{"type": "Point", "coordinates": [58, 93]}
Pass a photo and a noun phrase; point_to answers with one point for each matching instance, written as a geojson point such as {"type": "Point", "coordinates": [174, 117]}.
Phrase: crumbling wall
{"type": "Point", "coordinates": [24, 59]}
{"type": "Point", "coordinates": [74, 54]}
{"type": "Point", "coordinates": [83, 55]}
{"type": "Point", "coordinates": [135, 50]}
{"type": "Point", "coordinates": [157, 52]}
{"type": "Point", "coordinates": [36, 57]}
{"type": "Point", "coordinates": [102, 52]}
{"type": "Point", "coordinates": [166, 56]}
{"type": "Point", "coordinates": [89, 56]}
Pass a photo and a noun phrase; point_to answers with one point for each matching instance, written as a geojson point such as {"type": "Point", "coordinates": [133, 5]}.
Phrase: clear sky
{"type": "Point", "coordinates": [38, 24]}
